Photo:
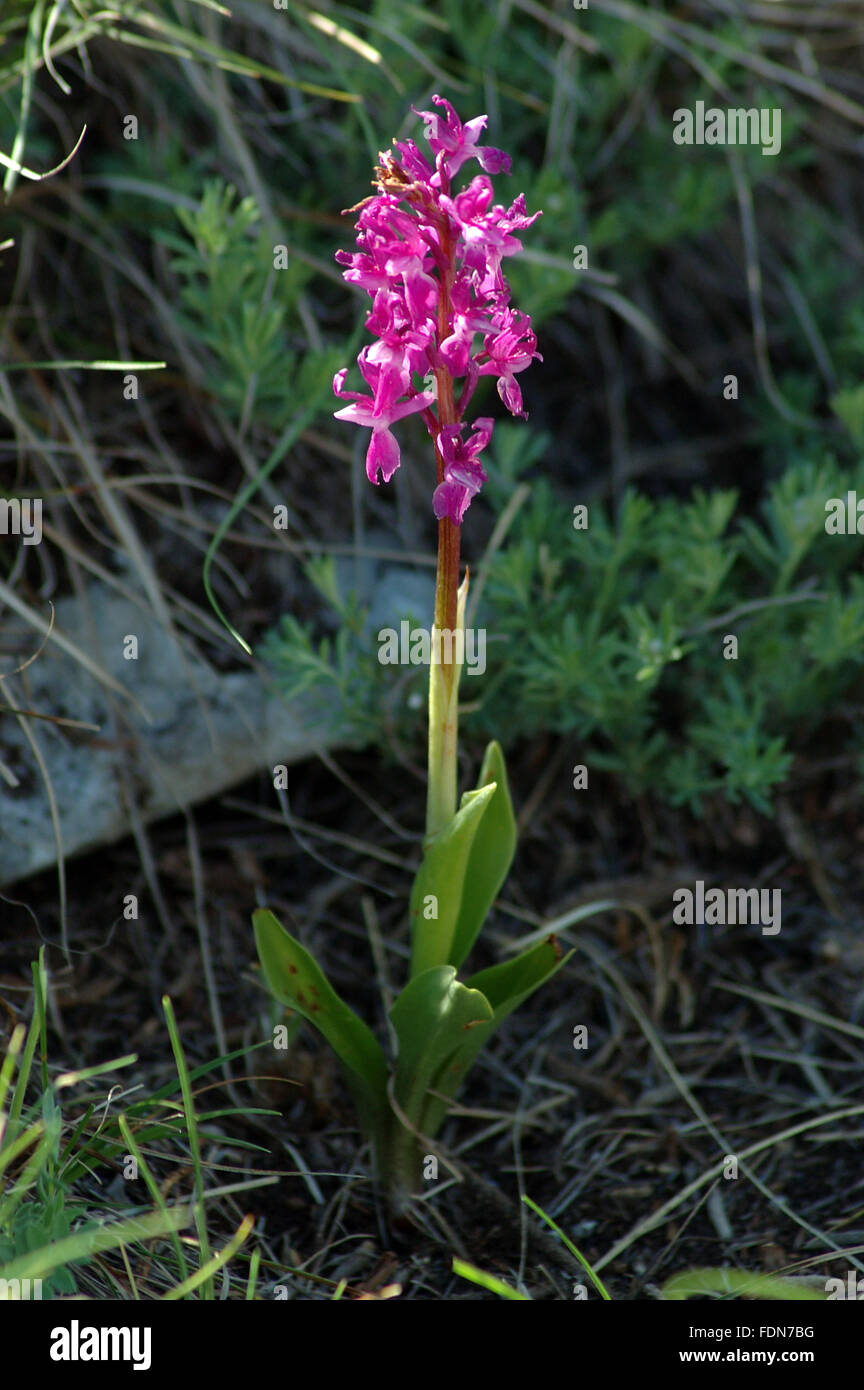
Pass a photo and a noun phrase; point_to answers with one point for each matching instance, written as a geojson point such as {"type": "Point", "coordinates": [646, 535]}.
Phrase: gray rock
{"type": "Point", "coordinates": [171, 733]}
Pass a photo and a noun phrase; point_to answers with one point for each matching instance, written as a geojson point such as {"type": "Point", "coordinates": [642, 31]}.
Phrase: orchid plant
{"type": "Point", "coordinates": [430, 258]}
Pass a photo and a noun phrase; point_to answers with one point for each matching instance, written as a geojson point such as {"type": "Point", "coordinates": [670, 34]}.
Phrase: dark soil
{"type": "Point", "coordinates": [765, 1033]}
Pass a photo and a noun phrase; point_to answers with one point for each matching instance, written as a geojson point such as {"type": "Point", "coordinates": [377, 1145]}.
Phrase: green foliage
{"type": "Point", "coordinates": [489, 857]}
{"type": "Point", "coordinates": [628, 653]}
{"type": "Point", "coordinates": [51, 1224]}
{"type": "Point", "coordinates": [41, 1222]}
{"type": "Point", "coordinates": [335, 668]}
{"type": "Point", "coordinates": [295, 979]}
{"type": "Point", "coordinates": [239, 305]}
{"type": "Point", "coordinates": [439, 1023]}
{"type": "Point", "coordinates": [615, 635]}
{"type": "Point", "coordinates": [441, 880]}
{"type": "Point", "coordinates": [434, 1018]}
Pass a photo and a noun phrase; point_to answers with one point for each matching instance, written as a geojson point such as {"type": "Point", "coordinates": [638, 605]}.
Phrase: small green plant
{"type": "Point", "coordinates": [53, 1221]}
{"type": "Point", "coordinates": [237, 294]}
{"type": "Point", "coordinates": [330, 666]}
{"type": "Point", "coordinates": [37, 1209]}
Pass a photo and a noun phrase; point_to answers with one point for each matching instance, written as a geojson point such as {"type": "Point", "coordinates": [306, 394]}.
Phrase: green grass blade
{"type": "Point", "coordinates": [38, 1264]}
{"type": "Point", "coordinates": [488, 1281]}
{"type": "Point", "coordinates": [595, 1278]}
{"type": "Point", "coordinates": [34, 1033]}
{"type": "Point", "coordinates": [194, 1141]}
{"type": "Point", "coordinates": [207, 1271]}
{"type": "Point", "coordinates": [154, 1190]}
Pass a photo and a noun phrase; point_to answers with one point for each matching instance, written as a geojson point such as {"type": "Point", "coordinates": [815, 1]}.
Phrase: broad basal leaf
{"type": "Point", "coordinates": [433, 1017]}
{"type": "Point", "coordinates": [295, 979]}
{"type": "Point", "coordinates": [505, 986]}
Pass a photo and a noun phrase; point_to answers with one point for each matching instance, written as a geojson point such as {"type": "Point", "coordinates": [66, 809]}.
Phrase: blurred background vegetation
{"type": "Point", "coordinates": [253, 130]}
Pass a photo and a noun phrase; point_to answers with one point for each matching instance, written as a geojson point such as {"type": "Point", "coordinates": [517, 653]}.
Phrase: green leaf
{"type": "Point", "coordinates": [441, 876]}
{"type": "Point", "coordinates": [491, 855]}
{"type": "Point", "coordinates": [505, 986]}
{"type": "Point", "coordinates": [509, 983]}
{"type": "Point", "coordinates": [432, 1017]}
{"type": "Point", "coordinates": [738, 1283]}
{"type": "Point", "coordinates": [442, 1025]}
{"type": "Point", "coordinates": [296, 979]}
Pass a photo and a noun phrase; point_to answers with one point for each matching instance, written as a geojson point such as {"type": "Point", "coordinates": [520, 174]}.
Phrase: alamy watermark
{"type": "Point", "coordinates": [733, 126]}
{"type": "Point", "coordinates": [77, 1343]}
{"type": "Point", "coordinates": [721, 907]}
{"type": "Point", "coordinates": [417, 646]}
{"type": "Point", "coordinates": [20, 1288]}
{"type": "Point", "coordinates": [845, 515]}
{"type": "Point", "coordinates": [21, 516]}
{"type": "Point", "coordinates": [851, 1289]}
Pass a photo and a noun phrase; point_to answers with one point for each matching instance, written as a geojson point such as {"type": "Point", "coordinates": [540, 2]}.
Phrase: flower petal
{"type": "Point", "coordinates": [382, 455]}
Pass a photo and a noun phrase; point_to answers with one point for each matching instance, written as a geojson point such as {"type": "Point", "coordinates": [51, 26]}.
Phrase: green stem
{"type": "Point", "coordinates": [444, 685]}
{"type": "Point", "coordinates": [400, 1166]}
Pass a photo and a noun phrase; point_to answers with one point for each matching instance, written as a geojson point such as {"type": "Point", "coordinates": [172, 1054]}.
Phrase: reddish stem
{"type": "Point", "coordinates": [447, 578]}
